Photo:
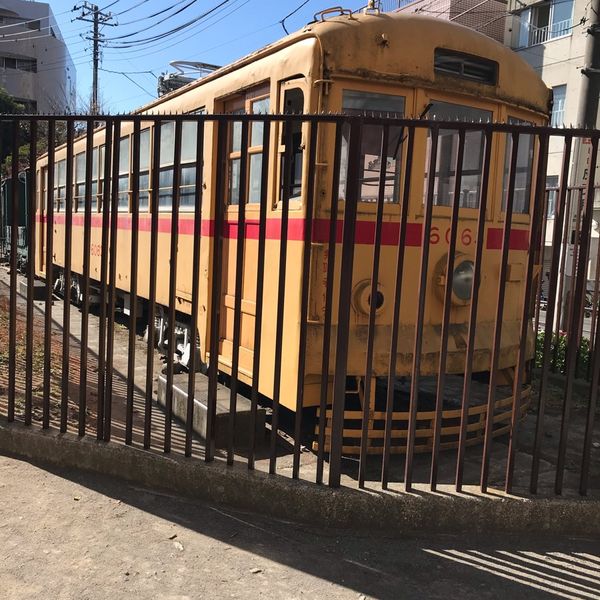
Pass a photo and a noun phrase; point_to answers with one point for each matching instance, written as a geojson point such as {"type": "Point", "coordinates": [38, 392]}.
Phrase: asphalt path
{"type": "Point", "coordinates": [66, 534]}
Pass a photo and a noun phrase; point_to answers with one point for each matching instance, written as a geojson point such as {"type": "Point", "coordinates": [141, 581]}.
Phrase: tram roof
{"type": "Point", "coordinates": [399, 47]}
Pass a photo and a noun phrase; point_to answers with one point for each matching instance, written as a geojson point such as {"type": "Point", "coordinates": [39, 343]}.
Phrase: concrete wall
{"type": "Point", "coordinates": [53, 86]}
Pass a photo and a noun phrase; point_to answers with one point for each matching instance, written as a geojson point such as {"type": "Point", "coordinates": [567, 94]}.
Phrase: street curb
{"type": "Point", "coordinates": [301, 501]}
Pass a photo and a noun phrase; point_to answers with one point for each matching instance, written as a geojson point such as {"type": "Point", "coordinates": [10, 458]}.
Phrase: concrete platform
{"type": "Point", "coordinates": [242, 418]}
{"type": "Point", "coordinates": [39, 289]}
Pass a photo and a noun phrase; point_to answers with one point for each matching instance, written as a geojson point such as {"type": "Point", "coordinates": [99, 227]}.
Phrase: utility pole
{"type": "Point", "coordinates": [92, 14]}
{"type": "Point", "coordinates": [590, 85]}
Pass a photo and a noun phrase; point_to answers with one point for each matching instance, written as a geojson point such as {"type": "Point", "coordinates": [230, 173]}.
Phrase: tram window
{"type": "Point", "coordinates": [465, 66]}
{"type": "Point", "coordinates": [293, 104]}
{"type": "Point", "coordinates": [124, 174]}
{"type": "Point", "coordinates": [522, 193]}
{"type": "Point", "coordinates": [144, 177]}
{"type": "Point", "coordinates": [165, 187]}
{"type": "Point", "coordinates": [59, 184]}
{"type": "Point", "coordinates": [95, 179]}
{"type": "Point", "coordinates": [254, 101]}
{"type": "Point", "coordinates": [187, 183]}
{"type": "Point", "coordinates": [101, 172]}
{"type": "Point", "coordinates": [368, 103]}
{"type": "Point", "coordinates": [445, 176]}
{"type": "Point", "coordinates": [80, 181]}
{"type": "Point", "coordinates": [187, 161]}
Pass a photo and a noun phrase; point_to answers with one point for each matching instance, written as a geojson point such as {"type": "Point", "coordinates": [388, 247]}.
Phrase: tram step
{"type": "Point", "coordinates": [39, 289]}
{"type": "Point", "coordinates": [243, 418]}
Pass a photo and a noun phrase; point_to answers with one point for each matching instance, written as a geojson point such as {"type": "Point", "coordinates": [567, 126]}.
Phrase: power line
{"type": "Point", "coordinates": [282, 22]}
{"type": "Point", "coordinates": [144, 41]}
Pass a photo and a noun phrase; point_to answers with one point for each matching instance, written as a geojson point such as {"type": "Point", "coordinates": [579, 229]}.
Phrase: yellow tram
{"type": "Point", "coordinates": [399, 64]}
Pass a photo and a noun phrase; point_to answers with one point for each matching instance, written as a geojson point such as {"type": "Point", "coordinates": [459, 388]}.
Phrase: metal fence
{"type": "Point", "coordinates": [407, 377]}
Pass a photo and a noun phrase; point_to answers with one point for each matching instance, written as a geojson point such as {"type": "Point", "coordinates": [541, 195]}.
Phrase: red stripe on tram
{"type": "Point", "coordinates": [365, 230]}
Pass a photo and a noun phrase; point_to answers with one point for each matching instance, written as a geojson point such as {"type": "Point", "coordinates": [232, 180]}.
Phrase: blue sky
{"type": "Point", "coordinates": [235, 28]}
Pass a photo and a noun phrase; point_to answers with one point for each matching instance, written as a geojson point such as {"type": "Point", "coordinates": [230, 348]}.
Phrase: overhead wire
{"type": "Point", "coordinates": [156, 14]}
{"type": "Point", "coordinates": [148, 40]}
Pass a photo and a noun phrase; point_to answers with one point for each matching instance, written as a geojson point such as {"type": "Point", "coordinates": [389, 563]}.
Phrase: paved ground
{"type": "Point", "coordinates": [72, 535]}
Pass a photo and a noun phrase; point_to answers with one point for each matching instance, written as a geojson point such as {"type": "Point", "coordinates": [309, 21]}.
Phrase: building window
{"type": "Point", "coordinates": [552, 192]}
{"type": "Point", "coordinates": [559, 95]}
{"type": "Point", "coordinates": [545, 21]}
{"type": "Point", "coordinates": [20, 64]}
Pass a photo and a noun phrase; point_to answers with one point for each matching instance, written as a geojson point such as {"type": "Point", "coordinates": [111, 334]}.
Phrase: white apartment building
{"type": "Point", "coordinates": [35, 64]}
{"type": "Point", "coordinates": [486, 16]}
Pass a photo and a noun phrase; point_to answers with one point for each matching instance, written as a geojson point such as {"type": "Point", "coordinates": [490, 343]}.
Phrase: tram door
{"type": "Point", "coordinates": [257, 101]}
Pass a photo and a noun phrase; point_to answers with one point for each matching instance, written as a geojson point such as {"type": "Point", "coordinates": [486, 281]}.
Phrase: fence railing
{"type": "Point", "coordinates": [539, 35]}
{"type": "Point", "coordinates": [358, 341]}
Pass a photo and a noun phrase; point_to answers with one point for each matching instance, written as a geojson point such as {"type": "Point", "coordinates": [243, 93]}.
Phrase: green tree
{"type": "Point", "coordinates": [8, 106]}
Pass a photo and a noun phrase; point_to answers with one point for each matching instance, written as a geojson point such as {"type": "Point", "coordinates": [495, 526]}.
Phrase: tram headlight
{"type": "Point", "coordinates": [462, 280]}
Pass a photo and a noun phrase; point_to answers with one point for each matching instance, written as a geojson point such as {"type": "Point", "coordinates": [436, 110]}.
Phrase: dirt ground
{"type": "Point", "coordinates": [73, 535]}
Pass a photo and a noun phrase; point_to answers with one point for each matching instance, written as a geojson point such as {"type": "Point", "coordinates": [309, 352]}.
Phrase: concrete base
{"type": "Point", "coordinates": [39, 289]}
{"type": "Point", "coordinates": [243, 416]}
{"type": "Point", "coordinates": [318, 505]}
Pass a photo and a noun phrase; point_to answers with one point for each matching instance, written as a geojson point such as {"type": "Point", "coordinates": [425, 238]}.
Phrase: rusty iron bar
{"type": "Point", "coordinates": [66, 345]}
{"type": "Point", "coordinates": [112, 282]}
{"type": "Point", "coordinates": [14, 233]}
{"type": "Point", "coordinates": [104, 266]}
{"type": "Point", "coordinates": [107, 308]}
{"type": "Point", "coordinates": [542, 255]}
{"type": "Point", "coordinates": [192, 365]}
{"type": "Point", "coordinates": [331, 247]}
{"type": "Point", "coordinates": [591, 416]}
{"type": "Point", "coordinates": [595, 297]}
{"type": "Point", "coordinates": [489, 420]}
{"type": "Point", "coordinates": [537, 232]}
{"type": "Point", "coordinates": [561, 279]}
{"type": "Point", "coordinates": [174, 241]}
{"type": "Point", "coordinates": [260, 279]}
{"type": "Point", "coordinates": [215, 293]}
{"type": "Point", "coordinates": [282, 269]}
{"type": "Point", "coordinates": [441, 378]}
{"type": "Point", "coordinates": [477, 267]}
{"type": "Point", "coordinates": [556, 266]}
{"type": "Point", "coordinates": [304, 295]}
{"type": "Point", "coordinates": [153, 265]}
{"type": "Point", "coordinates": [331, 251]}
{"type": "Point", "coordinates": [400, 255]}
{"type": "Point", "coordinates": [343, 312]}
{"type": "Point", "coordinates": [576, 253]}
{"type": "Point", "coordinates": [31, 257]}
{"type": "Point", "coordinates": [133, 278]}
{"type": "Point", "coordinates": [85, 277]}
{"type": "Point", "coordinates": [580, 284]}
{"type": "Point", "coordinates": [49, 282]}
{"type": "Point", "coordinates": [366, 409]}
{"type": "Point", "coordinates": [239, 280]}
{"type": "Point", "coordinates": [420, 315]}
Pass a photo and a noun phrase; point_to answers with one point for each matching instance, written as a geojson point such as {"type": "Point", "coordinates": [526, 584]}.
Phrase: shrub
{"type": "Point", "coordinates": [558, 351]}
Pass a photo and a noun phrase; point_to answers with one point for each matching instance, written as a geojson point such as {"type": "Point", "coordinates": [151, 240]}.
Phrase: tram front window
{"type": "Point", "coordinates": [522, 193]}
{"type": "Point", "coordinates": [445, 176]}
{"type": "Point", "coordinates": [378, 105]}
